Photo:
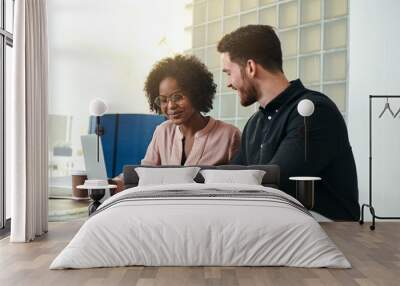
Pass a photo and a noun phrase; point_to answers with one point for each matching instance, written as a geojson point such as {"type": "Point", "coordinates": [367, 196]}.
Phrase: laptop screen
{"type": "Point", "coordinates": [94, 169]}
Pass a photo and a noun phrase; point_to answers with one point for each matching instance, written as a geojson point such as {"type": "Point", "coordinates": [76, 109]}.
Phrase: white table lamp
{"type": "Point", "coordinates": [305, 108]}
{"type": "Point", "coordinates": [98, 107]}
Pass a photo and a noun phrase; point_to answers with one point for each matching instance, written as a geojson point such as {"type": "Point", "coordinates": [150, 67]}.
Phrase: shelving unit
{"type": "Point", "coordinates": [313, 34]}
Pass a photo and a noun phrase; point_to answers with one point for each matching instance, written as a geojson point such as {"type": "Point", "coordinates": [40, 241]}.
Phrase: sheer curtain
{"type": "Point", "coordinates": [28, 150]}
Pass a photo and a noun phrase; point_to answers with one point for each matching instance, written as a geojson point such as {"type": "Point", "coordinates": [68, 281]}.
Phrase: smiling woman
{"type": "Point", "coordinates": [182, 89]}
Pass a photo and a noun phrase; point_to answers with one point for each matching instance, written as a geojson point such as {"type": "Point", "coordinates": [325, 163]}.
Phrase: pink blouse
{"type": "Point", "coordinates": [215, 144]}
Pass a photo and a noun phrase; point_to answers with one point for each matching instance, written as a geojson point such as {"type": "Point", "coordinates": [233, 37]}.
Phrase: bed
{"type": "Point", "coordinates": [201, 224]}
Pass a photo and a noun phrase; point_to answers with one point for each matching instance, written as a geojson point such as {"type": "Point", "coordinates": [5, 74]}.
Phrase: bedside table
{"type": "Point", "coordinates": [96, 193]}
{"type": "Point", "coordinates": [305, 190]}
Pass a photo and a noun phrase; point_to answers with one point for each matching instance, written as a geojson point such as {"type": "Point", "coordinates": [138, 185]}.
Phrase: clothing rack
{"type": "Point", "coordinates": [369, 205]}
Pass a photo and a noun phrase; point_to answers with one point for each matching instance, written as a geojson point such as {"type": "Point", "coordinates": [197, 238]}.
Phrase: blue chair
{"type": "Point", "coordinates": [125, 139]}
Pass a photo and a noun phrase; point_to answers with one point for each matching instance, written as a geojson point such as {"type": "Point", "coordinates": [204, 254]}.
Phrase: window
{"type": "Point", "coordinates": [6, 43]}
{"type": "Point", "coordinates": [313, 35]}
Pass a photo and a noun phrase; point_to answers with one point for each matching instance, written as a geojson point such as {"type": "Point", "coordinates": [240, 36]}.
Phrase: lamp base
{"type": "Point", "coordinates": [96, 195]}
{"type": "Point", "coordinates": [305, 193]}
{"type": "Point", "coordinates": [305, 190]}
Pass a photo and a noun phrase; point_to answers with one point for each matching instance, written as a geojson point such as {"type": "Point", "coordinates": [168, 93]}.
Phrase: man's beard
{"type": "Point", "coordinates": [248, 94]}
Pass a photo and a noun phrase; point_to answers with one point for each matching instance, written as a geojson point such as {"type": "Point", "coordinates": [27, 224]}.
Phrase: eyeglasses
{"type": "Point", "coordinates": [162, 101]}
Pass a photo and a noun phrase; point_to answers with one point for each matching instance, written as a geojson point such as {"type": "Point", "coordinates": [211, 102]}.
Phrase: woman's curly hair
{"type": "Point", "coordinates": [192, 77]}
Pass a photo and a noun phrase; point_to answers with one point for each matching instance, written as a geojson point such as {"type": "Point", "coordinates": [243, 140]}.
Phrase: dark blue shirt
{"type": "Point", "coordinates": [275, 135]}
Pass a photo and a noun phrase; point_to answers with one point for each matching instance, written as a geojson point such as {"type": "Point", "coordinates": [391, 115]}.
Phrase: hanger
{"type": "Point", "coordinates": [387, 107]}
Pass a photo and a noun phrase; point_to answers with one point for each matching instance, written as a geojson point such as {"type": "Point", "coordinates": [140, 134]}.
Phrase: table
{"type": "Point", "coordinates": [96, 193]}
{"type": "Point", "coordinates": [305, 190]}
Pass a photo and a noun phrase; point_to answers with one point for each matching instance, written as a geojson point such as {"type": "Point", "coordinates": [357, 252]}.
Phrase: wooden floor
{"type": "Point", "coordinates": [375, 257]}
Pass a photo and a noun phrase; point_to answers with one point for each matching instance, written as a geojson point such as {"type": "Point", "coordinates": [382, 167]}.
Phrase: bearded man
{"type": "Point", "coordinates": [252, 60]}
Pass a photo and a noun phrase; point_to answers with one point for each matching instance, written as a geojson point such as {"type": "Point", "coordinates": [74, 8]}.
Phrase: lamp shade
{"type": "Point", "coordinates": [305, 107]}
{"type": "Point", "coordinates": [97, 107]}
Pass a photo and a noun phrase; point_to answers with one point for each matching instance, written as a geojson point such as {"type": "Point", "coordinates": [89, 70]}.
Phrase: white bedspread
{"type": "Point", "coordinates": [184, 231]}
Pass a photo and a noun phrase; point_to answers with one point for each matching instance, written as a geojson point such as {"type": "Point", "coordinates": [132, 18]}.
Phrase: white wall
{"type": "Point", "coordinates": [104, 48]}
{"type": "Point", "coordinates": [374, 57]}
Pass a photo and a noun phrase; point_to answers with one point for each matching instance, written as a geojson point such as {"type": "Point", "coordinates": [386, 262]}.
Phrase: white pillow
{"type": "Point", "coordinates": [164, 176]}
{"type": "Point", "coordinates": [248, 177]}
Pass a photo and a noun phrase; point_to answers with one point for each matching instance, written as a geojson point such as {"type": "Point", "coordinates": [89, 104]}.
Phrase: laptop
{"type": "Point", "coordinates": [96, 170]}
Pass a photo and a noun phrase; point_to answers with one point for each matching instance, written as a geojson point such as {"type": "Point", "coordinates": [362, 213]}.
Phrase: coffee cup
{"type": "Point", "coordinates": [78, 178]}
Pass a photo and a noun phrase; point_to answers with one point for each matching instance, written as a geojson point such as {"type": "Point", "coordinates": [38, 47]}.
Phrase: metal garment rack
{"type": "Point", "coordinates": [369, 205]}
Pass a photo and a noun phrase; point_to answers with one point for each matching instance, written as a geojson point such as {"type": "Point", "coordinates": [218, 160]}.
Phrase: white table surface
{"type": "Point", "coordinates": [305, 178]}
{"type": "Point", "coordinates": [85, 187]}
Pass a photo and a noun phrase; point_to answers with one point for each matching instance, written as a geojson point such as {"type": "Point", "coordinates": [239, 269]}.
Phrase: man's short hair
{"type": "Point", "coordinates": [253, 42]}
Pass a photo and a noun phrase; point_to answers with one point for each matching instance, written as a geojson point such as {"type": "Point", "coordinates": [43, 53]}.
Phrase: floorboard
{"type": "Point", "coordinates": [374, 255]}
